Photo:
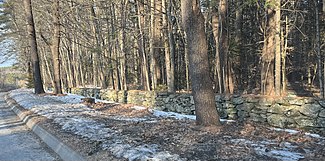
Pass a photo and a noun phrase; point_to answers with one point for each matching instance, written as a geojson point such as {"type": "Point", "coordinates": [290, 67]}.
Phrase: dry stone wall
{"type": "Point", "coordinates": [301, 112]}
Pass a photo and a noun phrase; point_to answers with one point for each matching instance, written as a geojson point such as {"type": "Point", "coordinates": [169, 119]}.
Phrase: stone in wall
{"type": "Point", "coordinates": [279, 120]}
{"type": "Point", "coordinates": [257, 117]}
{"type": "Point", "coordinates": [122, 96]}
{"type": "Point", "coordinates": [304, 121]}
{"type": "Point", "coordinates": [237, 100]}
{"type": "Point", "coordinates": [322, 114]}
{"type": "Point", "coordinates": [283, 112]}
{"type": "Point", "coordinates": [109, 95]}
{"type": "Point", "coordinates": [322, 103]}
{"type": "Point", "coordinates": [321, 122]}
{"type": "Point", "coordinates": [311, 110]}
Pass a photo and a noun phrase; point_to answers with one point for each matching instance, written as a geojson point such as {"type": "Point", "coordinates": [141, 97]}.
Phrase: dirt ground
{"type": "Point", "coordinates": [189, 141]}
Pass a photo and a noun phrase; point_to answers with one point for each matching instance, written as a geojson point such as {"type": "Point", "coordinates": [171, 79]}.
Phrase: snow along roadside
{"type": "Point", "coordinates": [65, 152]}
{"type": "Point", "coordinates": [72, 118]}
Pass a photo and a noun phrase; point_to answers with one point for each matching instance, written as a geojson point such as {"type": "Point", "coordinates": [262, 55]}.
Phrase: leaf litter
{"type": "Point", "coordinates": [137, 133]}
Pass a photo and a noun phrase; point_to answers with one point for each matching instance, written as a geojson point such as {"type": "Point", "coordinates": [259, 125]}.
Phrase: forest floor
{"type": "Point", "coordinates": [110, 131]}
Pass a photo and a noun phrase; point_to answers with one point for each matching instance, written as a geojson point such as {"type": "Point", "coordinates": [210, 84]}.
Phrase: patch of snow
{"type": "Point", "coordinates": [72, 116]}
{"type": "Point", "coordinates": [133, 119]}
{"type": "Point", "coordinates": [139, 108]}
{"type": "Point", "coordinates": [68, 98]}
{"type": "Point", "coordinates": [24, 97]}
{"type": "Point", "coordinates": [284, 152]}
{"type": "Point", "coordinates": [158, 113]}
{"type": "Point", "coordinates": [285, 155]}
{"type": "Point", "coordinates": [85, 127]}
{"type": "Point", "coordinates": [314, 135]}
{"type": "Point", "coordinates": [141, 152]}
{"type": "Point", "coordinates": [178, 116]}
{"type": "Point", "coordinates": [290, 131]}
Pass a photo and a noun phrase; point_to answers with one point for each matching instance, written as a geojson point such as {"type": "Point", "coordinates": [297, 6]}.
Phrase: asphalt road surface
{"type": "Point", "coordinates": [17, 142]}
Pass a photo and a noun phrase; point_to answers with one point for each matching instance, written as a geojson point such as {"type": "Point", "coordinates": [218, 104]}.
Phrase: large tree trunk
{"type": "Point", "coordinates": [38, 83]}
{"type": "Point", "coordinates": [55, 48]}
{"type": "Point", "coordinates": [203, 94]}
{"type": "Point", "coordinates": [267, 69]}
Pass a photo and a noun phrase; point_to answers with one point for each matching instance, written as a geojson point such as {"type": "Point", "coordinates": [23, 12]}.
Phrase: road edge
{"type": "Point", "coordinates": [65, 152]}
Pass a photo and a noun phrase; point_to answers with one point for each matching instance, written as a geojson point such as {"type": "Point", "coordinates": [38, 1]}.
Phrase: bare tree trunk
{"type": "Point", "coordinates": [38, 83]}
{"type": "Point", "coordinates": [152, 44]}
{"type": "Point", "coordinates": [142, 51]}
{"type": "Point", "coordinates": [55, 48]}
{"type": "Point", "coordinates": [284, 55]}
{"type": "Point", "coordinates": [217, 69]}
{"type": "Point", "coordinates": [98, 50]}
{"type": "Point", "coordinates": [169, 46]}
{"type": "Point", "coordinates": [122, 45]}
{"type": "Point", "coordinates": [267, 70]}
{"type": "Point", "coordinates": [203, 94]}
{"type": "Point", "coordinates": [318, 51]}
{"type": "Point", "coordinates": [224, 48]}
{"type": "Point", "coordinates": [278, 48]}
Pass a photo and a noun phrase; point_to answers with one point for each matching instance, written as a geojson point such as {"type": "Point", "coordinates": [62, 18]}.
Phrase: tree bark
{"type": "Point", "coordinates": [38, 83]}
{"type": "Point", "coordinates": [267, 69]}
{"type": "Point", "coordinates": [217, 71]}
{"type": "Point", "coordinates": [224, 48]}
{"type": "Point", "coordinates": [169, 46]}
{"type": "Point", "coordinates": [278, 48]}
{"type": "Point", "coordinates": [318, 52]}
{"type": "Point", "coordinates": [142, 51]}
{"type": "Point", "coordinates": [55, 48]}
{"type": "Point", "coordinates": [203, 94]}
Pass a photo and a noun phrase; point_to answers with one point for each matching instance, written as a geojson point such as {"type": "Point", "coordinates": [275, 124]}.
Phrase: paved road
{"type": "Point", "coordinates": [17, 142]}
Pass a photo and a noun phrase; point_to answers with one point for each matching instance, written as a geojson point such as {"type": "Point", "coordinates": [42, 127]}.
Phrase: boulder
{"type": "Point", "coordinates": [295, 101]}
{"type": "Point", "coordinates": [265, 102]}
{"type": "Point", "coordinates": [259, 111]}
{"type": "Point", "coordinates": [237, 101]}
{"type": "Point", "coordinates": [276, 109]}
{"type": "Point", "coordinates": [305, 121]}
{"type": "Point", "coordinates": [322, 103]}
{"type": "Point", "coordinates": [167, 99]}
{"type": "Point", "coordinates": [283, 102]}
{"type": "Point", "coordinates": [279, 120]}
{"type": "Point", "coordinates": [322, 114]}
{"type": "Point", "coordinates": [293, 113]}
{"type": "Point", "coordinates": [245, 107]}
{"type": "Point", "coordinates": [252, 99]}
{"type": "Point", "coordinates": [231, 111]}
{"type": "Point", "coordinates": [179, 108]}
{"type": "Point", "coordinates": [311, 110]}
{"type": "Point", "coordinates": [218, 98]}
{"type": "Point", "coordinates": [242, 114]}
{"type": "Point", "coordinates": [256, 117]}
{"type": "Point", "coordinates": [321, 122]}
{"type": "Point", "coordinates": [228, 105]}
